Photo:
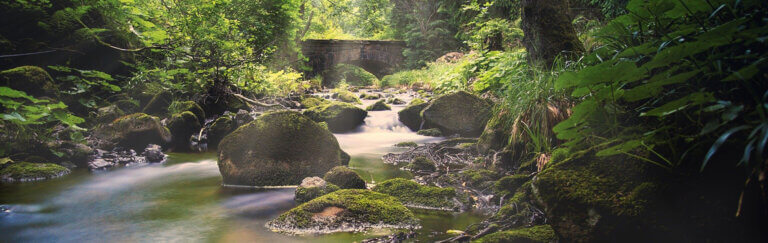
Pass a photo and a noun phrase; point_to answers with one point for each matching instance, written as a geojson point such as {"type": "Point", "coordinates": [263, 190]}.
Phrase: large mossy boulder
{"type": "Point", "coordinates": [220, 128]}
{"type": "Point", "coordinates": [345, 211]}
{"type": "Point", "coordinates": [597, 199]}
{"type": "Point", "coordinates": [340, 117]}
{"type": "Point", "coordinates": [310, 102]}
{"type": "Point", "coordinates": [134, 131]}
{"type": "Point", "coordinates": [276, 149]}
{"type": "Point", "coordinates": [26, 171]}
{"type": "Point", "coordinates": [414, 195]}
{"type": "Point", "coordinates": [108, 114]}
{"type": "Point", "coordinates": [191, 106]}
{"type": "Point", "coordinates": [457, 113]}
{"type": "Point", "coordinates": [33, 80]}
{"type": "Point", "coordinates": [313, 187]}
{"type": "Point", "coordinates": [182, 127]}
{"type": "Point", "coordinates": [345, 178]}
{"type": "Point", "coordinates": [411, 115]}
{"type": "Point", "coordinates": [159, 103]}
{"type": "Point", "coordinates": [535, 234]}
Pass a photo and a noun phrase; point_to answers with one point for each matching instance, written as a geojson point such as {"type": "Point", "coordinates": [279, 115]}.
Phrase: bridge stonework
{"type": "Point", "coordinates": [377, 57]}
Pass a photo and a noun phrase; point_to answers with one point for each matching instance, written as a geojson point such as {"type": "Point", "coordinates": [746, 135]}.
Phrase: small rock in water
{"type": "Point", "coordinates": [4, 209]}
{"type": "Point", "coordinates": [154, 153]}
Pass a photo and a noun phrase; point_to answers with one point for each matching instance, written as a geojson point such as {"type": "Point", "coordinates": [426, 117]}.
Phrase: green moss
{"type": "Point", "coordinates": [370, 96]}
{"type": "Point", "coordinates": [432, 132]}
{"type": "Point", "coordinates": [23, 171]}
{"type": "Point", "coordinates": [345, 178]}
{"type": "Point", "coordinates": [360, 207]}
{"type": "Point", "coordinates": [378, 106]}
{"type": "Point", "coordinates": [33, 80]}
{"type": "Point", "coordinates": [129, 106]}
{"type": "Point", "coordinates": [191, 106]}
{"type": "Point", "coordinates": [406, 145]}
{"type": "Point", "coordinates": [411, 115]}
{"type": "Point", "coordinates": [559, 155]}
{"type": "Point", "coordinates": [158, 104]}
{"type": "Point", "coordinates": [416, 101]}
{"type": "Point", "coordinates": [310, 102]}
{"type": "Point", "coordinates": [535, 234]}
{"type": "Point", "coordinates": [348, 97]}
{"type": "Point", "coordinates": [414, 194]}
{"type": "Point", "coordinates": [395, 101]}
{"type": "Point", "coordinates": [421, 163]}
{"type": "Point", "coordinates": [220, 128]}
{"type": "Point", "coordinates": [478, 177]}
{"type": "Point", "coordinates": [509, 184]}
{"type": "Point", "coordinates": [304, 194]}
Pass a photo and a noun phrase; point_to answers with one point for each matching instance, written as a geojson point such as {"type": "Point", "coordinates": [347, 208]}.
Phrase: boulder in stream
{"type": "Point", "coordinates": [313, 187]}
{"type": "Point", "coordinates": [411, 115]}
{"type": "Point", "coordinates": [27, 171]}
{"type": "Point", "coordinates": [133, 131]}
{"type": "Point", "coordinates": [350, 210]}
{"type": "Point", "coordinates": [278, 148]}
{"type": "Point", "coordinates": [457, 113]}
{"type": "Point", "coordinates": [182, 127]}
{"type": "Point", "coordinates": [378, 106]}
{"type": "Point", "coordinates": [340, 117]}
{"type": "Point", "coordinates": [345, 178]}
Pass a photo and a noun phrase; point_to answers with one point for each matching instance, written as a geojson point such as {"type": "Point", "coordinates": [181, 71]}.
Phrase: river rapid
{"type": "Point", "coordinates": [183, 200]}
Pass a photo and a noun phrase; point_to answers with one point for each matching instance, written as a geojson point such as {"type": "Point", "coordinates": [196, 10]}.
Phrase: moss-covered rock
{"type": "Point", "coordinates": [589, 199]}
{"type": "Point", "coordinates": [33, 80]}
{"type": "Point", "coordinates": [395, 101]}
{"type": "Point", "coordinates": [220, 128]}
{"type": "Point", "coordinates": [278, 148]}
{"type": "Point", "coordinates": [421, 163]}
{"type": "Point", "coordinates": [191, 106]}
{"type": "Point", "coordinates": [108, 114]}
{"type": "Point", "coordinates": [182, 127]}
{"type": "Point", "coordinates": [311, 188]}
{"type": "Point", "coordinates": [432, 132]}
{"type": "Point", "coordinates": [345, 211]}
{"type": "Point", "coordinates": [510, 184]}
{"type": "Point", "coordinates": [159, 104]}
{"type": "Point", "coordinates": [341, 117]}
{"type": "Point", "coordinates": [413, 194]}
{"type": "Point", "coordinates": [457, 113]}
{"type": "Point", "coordinates": [411, 115]}
{"type": "Point", "coordinates": [345, 178]}
{"type": "Point", "coordinates": [347, 97]}
{"type": "Point", "coordinates": [26, 171]}
{"type": "Point", "coordinates": [378, 106]}
{"type": "Point", "coordinates": [134, 131]}
{"type": "Point", "coordinates": [479, 177]}
{"type": "Point", "coordinates": [370, 96]}
{"type": "Point", "coordinates": [535, 234]}
{"type": "Point", "coordinates": [406, 145]}
{"type": "Point", "coordinates": [310, 102]}
{"type": "Point", "coordinates": [128, 106]}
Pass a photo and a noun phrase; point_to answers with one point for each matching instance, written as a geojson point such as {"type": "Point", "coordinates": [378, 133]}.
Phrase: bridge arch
{"type": "Point", "coordinates": [377, 57]}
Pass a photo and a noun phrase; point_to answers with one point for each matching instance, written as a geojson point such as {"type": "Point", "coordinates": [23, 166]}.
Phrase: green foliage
{"type": "Point", "coordinates": [673, 78]}
{"type": "Point", "coordinates": [22, 109]}
{"type": "Point", "coordinates": [346, 19]}
{"type": "Point", "coordinates": [428, 27]}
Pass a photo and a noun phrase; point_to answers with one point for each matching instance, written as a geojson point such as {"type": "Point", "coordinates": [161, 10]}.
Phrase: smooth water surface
{"type": "Point", "coordinates": [183, 200]}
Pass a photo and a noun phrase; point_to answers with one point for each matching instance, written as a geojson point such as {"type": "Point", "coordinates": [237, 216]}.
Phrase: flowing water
{"type": "Point", "coordinates": [183, 200]}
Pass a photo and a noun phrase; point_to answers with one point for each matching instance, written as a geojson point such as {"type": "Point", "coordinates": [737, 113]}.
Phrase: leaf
{"type": "Point", "coordinates": [621, 148]}
{"type": "Point", "coordinates": [680, 104]}
{"type": "Point", "coordinates": [5, 160]}
{"type": "Point", "coordinates": [12, 93]}
{"type": "Point", "coordinates": [656, 84]}
{"type": "Point", "coordinates": [719, 142]}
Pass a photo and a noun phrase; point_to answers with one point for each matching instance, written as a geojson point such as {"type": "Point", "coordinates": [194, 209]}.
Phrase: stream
{"type": "Point", "coordinates": [183, 200]}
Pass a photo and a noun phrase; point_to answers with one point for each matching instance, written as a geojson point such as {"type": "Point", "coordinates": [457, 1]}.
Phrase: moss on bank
{"type": "Point", "coordinates": [345, 210]}
{"type": "Point", "coordinates": [535, 234]}
{"type": "Point", "coordinates": [26, 171]}
{"type": "Point", "coordinates": [415, 195]}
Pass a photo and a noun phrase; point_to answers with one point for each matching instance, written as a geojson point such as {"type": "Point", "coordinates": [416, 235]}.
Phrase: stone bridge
{"type": "Point", "coordinates": [377, 57]}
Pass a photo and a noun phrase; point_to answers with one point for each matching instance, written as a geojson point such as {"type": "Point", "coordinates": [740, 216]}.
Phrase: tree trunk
{"type": "Point", "coordinates": [548, 31]}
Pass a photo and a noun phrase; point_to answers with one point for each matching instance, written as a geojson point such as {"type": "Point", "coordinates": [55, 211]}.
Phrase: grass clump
{"type": "Point", "coordinates": [415, 195]}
